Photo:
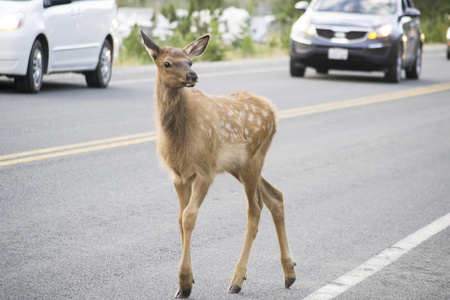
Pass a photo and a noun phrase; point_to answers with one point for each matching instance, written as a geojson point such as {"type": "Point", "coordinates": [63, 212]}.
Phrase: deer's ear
{"type": "Point", "coordinates": [197, 47]}
{"type": "Point", "coordinates": [150, 45]}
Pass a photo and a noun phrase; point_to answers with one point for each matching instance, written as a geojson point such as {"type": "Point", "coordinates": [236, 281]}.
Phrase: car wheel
{"type": "Point", "coordinates": [295, 70]}
{"type": "Point", "coordinates": [32, 81]}
{"type": "Point", "coordinates": [394, 74]}
{"type": "Point", "coordinates": [448, 52]}
{"type": "Point", "coordinates": [414, 71]}
{"type": "Point", "coordinates": [101, 76]}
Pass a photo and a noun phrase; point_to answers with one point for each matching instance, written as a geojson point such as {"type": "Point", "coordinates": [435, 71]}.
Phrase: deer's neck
{"type": "Point", "coordinates": [171, 110]}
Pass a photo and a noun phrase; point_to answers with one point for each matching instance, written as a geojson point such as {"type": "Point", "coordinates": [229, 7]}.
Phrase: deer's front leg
{"type": "Point", "coordinates": [188, 218]}
{"type": "Point", "coordinates": [184, 195]}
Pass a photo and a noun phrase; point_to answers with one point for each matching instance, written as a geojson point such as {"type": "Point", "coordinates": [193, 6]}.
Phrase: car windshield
{"type": "Point", "coordinates": [373, 7]}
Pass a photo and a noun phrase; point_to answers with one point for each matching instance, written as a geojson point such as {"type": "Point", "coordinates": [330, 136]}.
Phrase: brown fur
{"type": "Point", "coordinates": [200, 135]}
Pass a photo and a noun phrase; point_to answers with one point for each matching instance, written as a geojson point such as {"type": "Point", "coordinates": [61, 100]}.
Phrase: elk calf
{"type": "Point", "coordinates": [200, 135]}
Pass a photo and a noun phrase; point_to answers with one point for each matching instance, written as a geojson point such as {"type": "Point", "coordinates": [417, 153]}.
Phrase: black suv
{"type": "Point", "coordinates": [362, 35]}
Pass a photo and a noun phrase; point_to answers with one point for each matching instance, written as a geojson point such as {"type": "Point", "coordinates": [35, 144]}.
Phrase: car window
{"type": "Point", "coordinates": [407, 3]}
{"type": "Point", "coordinates": [375, 7]}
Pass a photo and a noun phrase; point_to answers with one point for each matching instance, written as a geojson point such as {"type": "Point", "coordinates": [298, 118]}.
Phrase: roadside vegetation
{"type": "Point", "coordinates": [434, 19]}
{"type": "Point", "coordinates": [434, 23]}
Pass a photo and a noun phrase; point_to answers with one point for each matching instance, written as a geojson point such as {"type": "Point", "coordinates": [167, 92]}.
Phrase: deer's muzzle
{"type": "Point", "coordinates": [192, 77]}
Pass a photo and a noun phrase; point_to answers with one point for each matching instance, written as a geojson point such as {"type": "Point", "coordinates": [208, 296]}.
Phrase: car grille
{"type": "Point", "coordinates": [326, 33]}
{"type": "Point", "coordinates": [350, 35]}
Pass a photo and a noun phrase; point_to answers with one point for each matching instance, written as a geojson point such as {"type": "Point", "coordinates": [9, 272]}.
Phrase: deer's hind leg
{"type": "Point", "coordinates": [273, 199]}
{"type": "Point", "coordinates": [249, 177]}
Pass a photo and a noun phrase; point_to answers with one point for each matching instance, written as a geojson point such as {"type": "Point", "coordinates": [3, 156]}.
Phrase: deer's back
{"type": "Point", "coordinates": [221, 133]}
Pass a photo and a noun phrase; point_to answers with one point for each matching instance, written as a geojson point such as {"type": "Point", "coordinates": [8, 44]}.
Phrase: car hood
{"type": "Point", "coordinates": [348, 19]}
{"type": "Point", "coordinates": [11, 7]}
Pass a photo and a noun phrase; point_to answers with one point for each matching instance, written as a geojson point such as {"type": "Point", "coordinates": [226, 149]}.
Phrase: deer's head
{"type": "Point", "coordinates": [174, 64]}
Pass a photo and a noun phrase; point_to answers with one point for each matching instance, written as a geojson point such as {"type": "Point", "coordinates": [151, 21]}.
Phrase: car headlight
{"type": "Point", "coordinates": [302, 28]}
{"type": "Point", "coordinates": [381, 32]}
{"type": "Point", "coordinates": [311, 30]}
{"type": "Point", "coordinates": [11, 22]}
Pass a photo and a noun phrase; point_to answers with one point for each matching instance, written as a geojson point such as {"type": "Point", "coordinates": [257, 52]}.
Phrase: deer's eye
{"type": "Point", "coordinates": [167, 65]}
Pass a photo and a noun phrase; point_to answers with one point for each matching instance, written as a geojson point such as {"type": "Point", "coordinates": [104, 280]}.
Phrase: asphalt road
{"type": "Point", "coordinates": [87, 213]}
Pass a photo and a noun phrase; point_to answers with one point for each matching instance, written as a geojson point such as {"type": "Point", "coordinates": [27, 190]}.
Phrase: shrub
{"type": "Point", "coordinates": [133, 49]}
{"type": "Point", "coordinates": [215, 51]}
{"type": "Point", "coordinates": [247, 46]}
{"type": "Point", "coordinates": [435, 29]}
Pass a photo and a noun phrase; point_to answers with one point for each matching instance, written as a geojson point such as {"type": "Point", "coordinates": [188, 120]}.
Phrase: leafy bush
{"type": "Point", "coordinates": [133, 50]}
{"type": "Point", "coordinates": [183, 34]}
{"type": "Point", "coordinates": [286, 15]}
{"type": "Point", "coordinates": [247, 46]}
{"type": "Point", "coordinates": [215, 51]}
{"type": "Point", "coordinates": [435, 29]}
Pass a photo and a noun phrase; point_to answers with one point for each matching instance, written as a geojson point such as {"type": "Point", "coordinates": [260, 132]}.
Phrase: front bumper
{"type": "Point", "coordinates": [364, 56]}
{"type": "Point", "coordinates": [14, 52]}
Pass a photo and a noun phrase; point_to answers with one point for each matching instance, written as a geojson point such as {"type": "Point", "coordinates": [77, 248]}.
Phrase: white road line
{"type": "Point", "coordinates": [379, 261]}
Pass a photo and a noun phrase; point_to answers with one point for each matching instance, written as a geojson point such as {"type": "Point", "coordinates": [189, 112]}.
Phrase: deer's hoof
{"type": "Point", "coordinates": [234, 289]}
{"type": "Point", "coordinates": [183, 294]}
{"type": "Point", "coordinates": [288, 282]}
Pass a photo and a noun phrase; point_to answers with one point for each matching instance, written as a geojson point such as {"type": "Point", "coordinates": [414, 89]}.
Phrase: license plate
{"type": "Point", "coordinates": [337, 53]}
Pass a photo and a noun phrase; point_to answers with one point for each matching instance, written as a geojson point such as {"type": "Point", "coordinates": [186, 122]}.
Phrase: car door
{"type": "Point", "coordinates": [60, 23]}
{"type": "Point", "coordinates": [411, 33]}
{"type": "Point", "coordinates": [92, 27]}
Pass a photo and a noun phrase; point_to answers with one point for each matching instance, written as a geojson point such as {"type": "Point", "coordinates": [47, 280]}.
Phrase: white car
{"type": "Point", "coordinates": [39, 37]}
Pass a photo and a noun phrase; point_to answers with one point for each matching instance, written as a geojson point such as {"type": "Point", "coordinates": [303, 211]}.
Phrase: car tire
{"type": "Point", "coordinates": [32, 81]}
{"type": "Point", "coordinates": [101, 76]}
{"type": "Point", "coordinates": [295, 70]}
{"type": "Point", "coordinates": [414, 71]}
{"type": "Point", "coordinates": [448, 52]}
{"type": "Point", "coordinates": [394, 73]}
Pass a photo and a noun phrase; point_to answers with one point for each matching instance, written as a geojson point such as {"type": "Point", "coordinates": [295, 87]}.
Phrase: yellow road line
{"type": "Point", "coordinates": [77, 150]}
{"type": "Point", "coordinates": [79, 145]}
{"type": "Point", "coordinates": [301, 111]}
{"type": "Point", "coordinates": [47, 153]}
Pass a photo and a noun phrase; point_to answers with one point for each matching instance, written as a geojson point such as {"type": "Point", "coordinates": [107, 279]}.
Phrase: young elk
{"type": "Point", "coordinates": [200, 135]}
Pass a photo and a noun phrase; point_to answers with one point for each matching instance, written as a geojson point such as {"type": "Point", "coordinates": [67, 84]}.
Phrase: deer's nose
{"type": "Point", "coordinates": [192, 77]}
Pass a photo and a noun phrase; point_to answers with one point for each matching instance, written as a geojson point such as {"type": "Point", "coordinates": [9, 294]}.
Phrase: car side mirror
{"type": "Point", "coordinates": [411, 12]}
{"type": "Point", "coordinates": [301, 6]}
